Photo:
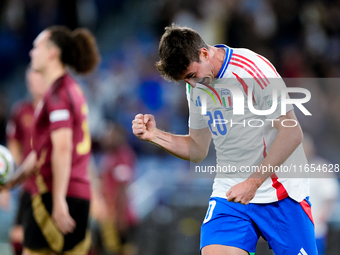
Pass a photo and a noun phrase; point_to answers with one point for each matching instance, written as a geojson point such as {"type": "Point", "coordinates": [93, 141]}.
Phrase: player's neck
{"type": "Point", "coordinates": [219, 56]}
{"type": "Point", "coordinates": [217, 59]}
{"type": "Point", "coordinates": [53, 72]}
{"type": "Point", "coordinates": [36, 101]}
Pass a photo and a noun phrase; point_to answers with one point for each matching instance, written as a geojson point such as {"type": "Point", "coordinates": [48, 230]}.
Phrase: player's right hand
{"type": "Point", "coordinates": [144, 126]}
{"type": "Point", "coordinates": [61, 217]}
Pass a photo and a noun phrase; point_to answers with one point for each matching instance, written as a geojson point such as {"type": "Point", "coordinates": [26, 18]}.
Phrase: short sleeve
{"type": "Point", "coordinates": [196, 120]}
{"type": "Point", "coordinates": [59, 109]}
{"type": "Point", "coordinates": [264, 96]}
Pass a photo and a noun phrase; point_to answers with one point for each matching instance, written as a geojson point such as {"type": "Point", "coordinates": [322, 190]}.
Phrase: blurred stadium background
{"type": "Point", "coordinates": [300, 37]}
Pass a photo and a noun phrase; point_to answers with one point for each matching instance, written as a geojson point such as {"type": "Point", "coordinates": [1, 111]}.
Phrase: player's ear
{"type": "Point", "coordinates": [204, 54]}
{"type": "Point", "coordinates": [54, 52]}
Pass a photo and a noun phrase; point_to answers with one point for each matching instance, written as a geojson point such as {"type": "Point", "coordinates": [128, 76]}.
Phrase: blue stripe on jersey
{"type": "Point", "coordinates": [228, 54]}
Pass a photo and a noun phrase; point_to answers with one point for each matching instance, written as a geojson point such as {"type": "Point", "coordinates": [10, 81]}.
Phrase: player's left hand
{"type": "Point", "coordinates": [242, 192]}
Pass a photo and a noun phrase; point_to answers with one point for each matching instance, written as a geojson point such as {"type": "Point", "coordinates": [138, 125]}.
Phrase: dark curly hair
{"type": "Point", "coordinates": [178, 48]}
{"type": "Point", "coordinates": [78, 48]}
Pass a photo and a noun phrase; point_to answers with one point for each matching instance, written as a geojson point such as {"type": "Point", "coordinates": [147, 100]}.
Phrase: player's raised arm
{"type": "Point", "coordinates": [193, 147]}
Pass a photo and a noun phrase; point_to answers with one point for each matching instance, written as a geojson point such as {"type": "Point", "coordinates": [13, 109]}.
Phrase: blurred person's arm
{"type": "Point", "coordinates": [98, 208]}
{"type": "Point", "coordinates": [15, 133]}
{"type": "Point", "coordinates": [28, 167]}
{"type": "Point", "coordinates": [5, 199]}
{"type": "Point", "coordinates": [16, 149]}
{"type": "Point", "coordinates": [193, 147]}
{"type": "Point", "coordinates": [61, 159]}
{"type": "Point", "coordinates": [123, 175]}
{"type": "Point", "coordinates": [121, 206]}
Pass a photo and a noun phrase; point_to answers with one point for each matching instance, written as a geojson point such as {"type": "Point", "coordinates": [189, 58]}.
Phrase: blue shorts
{"type": "Point", "coordinates": [287, 226]}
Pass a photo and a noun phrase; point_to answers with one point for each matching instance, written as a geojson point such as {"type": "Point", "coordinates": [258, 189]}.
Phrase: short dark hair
{"type": "Point", "coordinates": [78, 48]}
{"type": "Point", "coordinates": [178, 48]}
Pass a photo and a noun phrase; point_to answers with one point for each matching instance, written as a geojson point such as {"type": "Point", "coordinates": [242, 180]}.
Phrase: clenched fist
{"type": "Point", "coordinates": [144, 126]}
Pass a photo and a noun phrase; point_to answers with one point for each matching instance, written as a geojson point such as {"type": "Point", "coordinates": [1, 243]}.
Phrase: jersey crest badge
{"type": "Point", "coordinates": [227, 99]}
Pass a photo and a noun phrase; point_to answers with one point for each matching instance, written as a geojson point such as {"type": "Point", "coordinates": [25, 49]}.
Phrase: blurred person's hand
{"type": "Point", "coordinates": [30, 166]}
{"type": "Point", "coordinates": [98, 208]}
{"type": "Point", "coordinates": [62, 218]}
{"type": "Point", "coordinates": [16, 234]}
{"type": "Point", "coordinates": [5, 200]}
{"type": "Point", "coordinates": [144, 126]}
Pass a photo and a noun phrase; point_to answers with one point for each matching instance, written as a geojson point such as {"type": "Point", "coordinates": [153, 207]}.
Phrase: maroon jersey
{"type": "Point", "coordinates": [117, 169]}
{"type": "Point", "coordinates": [20, 125]}
{"type": "Point", "coordinates": [19, 128]}
{"type": "Point", "coordinates": [64, 106]}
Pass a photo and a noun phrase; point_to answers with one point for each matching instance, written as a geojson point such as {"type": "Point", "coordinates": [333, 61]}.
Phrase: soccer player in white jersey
{"type": "Point", "coordinates": [241, 208]}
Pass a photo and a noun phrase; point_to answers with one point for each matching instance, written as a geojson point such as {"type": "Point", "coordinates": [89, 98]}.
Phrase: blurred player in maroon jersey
{"type": "Point", "coordinates": [57, 221]}
{"type": "Point", "coordinates": [21, 120]}
{"type": "Point", "coordinates": [19, 130]}
{"type": "Point", "coordinates": [116, 173]}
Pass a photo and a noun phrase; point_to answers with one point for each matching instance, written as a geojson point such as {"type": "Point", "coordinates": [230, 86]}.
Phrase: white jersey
{"type": "Point", "coordinates": [242, 141]}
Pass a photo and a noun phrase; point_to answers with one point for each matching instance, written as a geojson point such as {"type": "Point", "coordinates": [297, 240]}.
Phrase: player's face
{"type": "Point", "coordinates": [201, 72]}
{"type": "Point", "coordinates": [36, 84]}
{"type": "Point", "coordinates": [40, 51]}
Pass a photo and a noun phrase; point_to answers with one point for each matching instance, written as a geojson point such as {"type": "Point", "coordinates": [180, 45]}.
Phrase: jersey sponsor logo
{"type": "Point", "coordinates": [59, 115]}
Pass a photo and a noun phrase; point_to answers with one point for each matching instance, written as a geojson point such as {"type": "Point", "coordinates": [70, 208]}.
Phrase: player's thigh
{"type": "Point", "coordinates": [290, 229]}
{"type": "Point", "coordinates": [227, 224]}
{"type": "Point", "coordinates": [216, 249]}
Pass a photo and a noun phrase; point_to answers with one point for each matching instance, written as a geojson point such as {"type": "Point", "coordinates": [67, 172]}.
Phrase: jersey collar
{"type": "Point", "coordinates": [228, 53]}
